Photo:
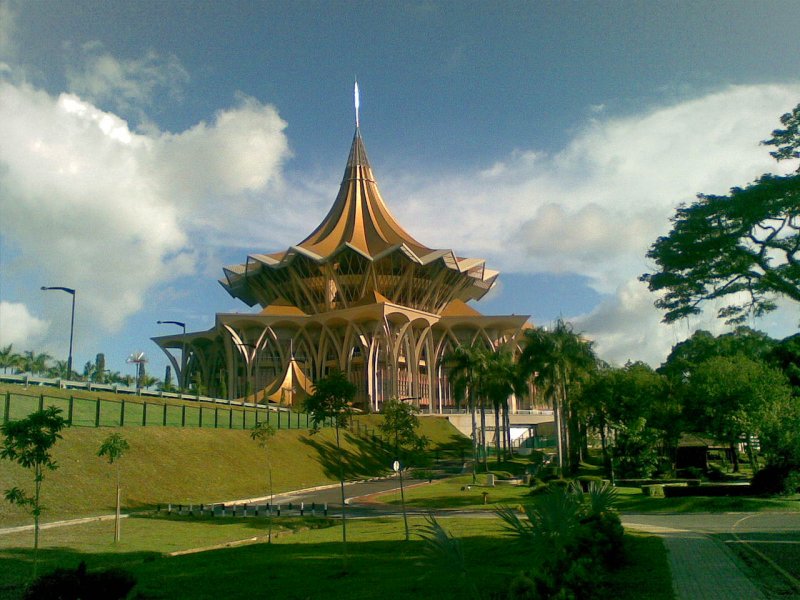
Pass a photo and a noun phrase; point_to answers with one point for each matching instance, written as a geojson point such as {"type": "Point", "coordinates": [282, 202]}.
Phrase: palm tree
{"type": "Point", "coordinates": [557, 359]}
{"type": "Point", "coordinates": [466, 366]}
{"type": "Point", "coordinates": [36, 364]}
{"type": "Point", "coordinates": [501, 379]}
{"type": "Point", "coordinates": [9, 359]}
{"type": "Point", "coordinates": [58, 369]}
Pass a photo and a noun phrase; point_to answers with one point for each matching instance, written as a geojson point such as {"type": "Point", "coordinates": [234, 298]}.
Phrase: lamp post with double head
{"type": "Point", "coordinates": [181, 379]}
{"type": "Point", "coordinates": [71, 292]}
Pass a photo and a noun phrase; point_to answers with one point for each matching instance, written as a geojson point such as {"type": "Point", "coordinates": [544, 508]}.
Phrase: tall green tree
{"type": "Point", "coordinates": [466, 364]}
{"type": "Point", "coordinates": [702, 345]}
{"type": "Point", "coordinates": [113, 448]}
{"type": "Point", "coordinates": [743, 247]}
{"type": "Point", "coordinates": [262, 433]}
{"type": "Point", "coordinates": [632, 406]}
{"type": "Point", "coordinates": [733, 397]}
{"type": "Point", "coordinates": [786, 356]}
{"type": "Point", "coordinates": [400, 425]}
{"type": "Point", "coordinates": [558, 359]}
{"type": "Point", "coordinates": [332, 401]}
{"type": "Point", "coordinates": [29, 443]}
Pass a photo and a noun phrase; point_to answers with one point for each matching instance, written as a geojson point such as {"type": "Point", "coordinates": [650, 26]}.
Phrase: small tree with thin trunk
{"type": "Point", "coordinates": [261, 434]}
{"type": "Point", "coordinates": [332, 401]}
{"type": "Point", "coordinates": [28, 442]}
{"type": "Point", "coordinates": [113, 447]}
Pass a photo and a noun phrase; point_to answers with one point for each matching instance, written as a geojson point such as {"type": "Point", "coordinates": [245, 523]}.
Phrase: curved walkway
{"type": "Point", "coordinates": [702, 568]}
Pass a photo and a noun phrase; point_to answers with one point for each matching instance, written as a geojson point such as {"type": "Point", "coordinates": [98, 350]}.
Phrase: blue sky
{"type": "Point", "coordinates": [145, 145]}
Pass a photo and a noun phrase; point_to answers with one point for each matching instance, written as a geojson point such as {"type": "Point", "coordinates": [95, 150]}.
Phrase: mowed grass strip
{"type": "Point", "coordinates": [308, 563]}
{"type": "Point", "coordinates": [193, 466]}
{"type": "Point", "coordinates": [632, 500]}
{"type": "Point", "coordinates": [458, 493]}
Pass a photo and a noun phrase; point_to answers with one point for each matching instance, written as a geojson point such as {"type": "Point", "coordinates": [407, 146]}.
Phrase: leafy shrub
{"type": "Point", "coordinates": [522, 587]}
{"type": "Point", "coordinates": [560, 484]}
{"type": "Point", "coordinates": [586, 480]}
{"type": "Point", "coordinates": [77, 584]}
{"type": "Point", "coordinates": [690, 472]}
{"type": "Point", "coordinates": [548, 473]}
{"type": "Point", "coordinates": [715, 473]}
{"type": "Point", "coordinates": [422, 474]}
{"type": "Point", "coordinates": [538, 487]}
{"type": "Point", "coordinates": [775, 480]}
{"type": "Point", "coordinates": [600, 538]}
{"type": "Point", "coordinates": [574, 537]}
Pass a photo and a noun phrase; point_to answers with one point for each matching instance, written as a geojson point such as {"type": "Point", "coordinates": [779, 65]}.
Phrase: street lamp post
{"type": "Point", "coordinates": [71, 292]}
{"type": "Point", "coordinates": [181, 379]}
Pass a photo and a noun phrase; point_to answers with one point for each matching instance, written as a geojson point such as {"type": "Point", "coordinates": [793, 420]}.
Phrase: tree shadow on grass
{"type": "Point", "coordinates": [16, 565]}
{"type": "Point", "coordinates": [376, 569]}
{"type": "Point", "coordinates": [357, 459]}
{"type": "Point", "coordinates": [458, 447]}
{"type": "Point", "coordinates": [384, 569]}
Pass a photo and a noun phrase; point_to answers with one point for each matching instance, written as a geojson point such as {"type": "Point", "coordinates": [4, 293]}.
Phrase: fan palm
{"type": "Point", "coordinates": [34, 363]}
{"type": "Point", "coordinates": [557, 359]}
{"type": "Point", "coordinates": [9, 359]}
{"type": "Point", "coordinates": [466, 367]}
{"type": "Point", "coordinates": [501, 379]}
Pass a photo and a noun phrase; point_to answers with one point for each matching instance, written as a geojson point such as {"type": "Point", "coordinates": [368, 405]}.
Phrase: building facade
{"type": "Point", "coordinates": [359, 294]}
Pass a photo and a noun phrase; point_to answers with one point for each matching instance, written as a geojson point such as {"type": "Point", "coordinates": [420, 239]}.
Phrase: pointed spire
{"type": "Point", "coordinates": [356, 100]}
{"type": "Point", "coordinates": [359, 217]}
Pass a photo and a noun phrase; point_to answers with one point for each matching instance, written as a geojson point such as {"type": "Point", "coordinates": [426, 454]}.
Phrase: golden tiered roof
{"type": "Point", "coordinates": [359, 249]}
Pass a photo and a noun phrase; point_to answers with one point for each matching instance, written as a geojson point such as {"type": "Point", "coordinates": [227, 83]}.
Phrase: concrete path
{"type": "Point", "coordinates": [702, 568]}
{"type": "Point", "coordinates": [52, 524]}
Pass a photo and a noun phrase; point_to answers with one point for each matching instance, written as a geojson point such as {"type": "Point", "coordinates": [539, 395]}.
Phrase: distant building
{"type": "Point", "coordinates": [359, 294]}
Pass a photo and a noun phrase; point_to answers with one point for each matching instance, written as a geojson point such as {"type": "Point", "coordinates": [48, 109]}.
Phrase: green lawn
{"type": "Point", "coordinates": [183, 466]}
{"type": "Point", "coordinates": [457, 492]}
{"type": "Point", "coordinates": [307, 563]}
{"type": "Point", "coordinates": [634, 501]}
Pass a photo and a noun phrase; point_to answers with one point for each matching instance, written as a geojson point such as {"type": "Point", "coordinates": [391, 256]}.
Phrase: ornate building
{"type": "Point", "coordinates": [359, 294]}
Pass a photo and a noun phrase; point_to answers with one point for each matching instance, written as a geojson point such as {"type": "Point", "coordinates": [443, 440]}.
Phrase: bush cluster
{"type": "Point", "coordinates": [576, 539]}
{"type": "Point", "coordinates": [77, 584]}
{"type": "Point", "coordinates": [775, 479]}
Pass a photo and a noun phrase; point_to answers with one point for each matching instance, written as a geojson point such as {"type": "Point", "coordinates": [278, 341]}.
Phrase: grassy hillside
{"type": "Point", "coordinates": [169, 464]}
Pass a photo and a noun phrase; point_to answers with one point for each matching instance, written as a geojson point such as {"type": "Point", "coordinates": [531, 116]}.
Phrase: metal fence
{"type": "Point", "coordinates": [100, 412]}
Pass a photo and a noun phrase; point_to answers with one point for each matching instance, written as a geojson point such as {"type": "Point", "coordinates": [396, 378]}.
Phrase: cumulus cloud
{"type": "Point", "coordinates": [18, 326]}
{"type": "Point", "coordinates": [594, 208]}
{"type": "Point", "coordinates": [91, 204]}
{"type": "Point", "coordinates": [211, 170]}
{"type": "Point", "coordinates": [124, 85]}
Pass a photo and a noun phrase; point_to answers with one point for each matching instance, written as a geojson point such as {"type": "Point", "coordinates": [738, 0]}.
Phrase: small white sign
{"type": "Point", "coordinates": [396, 466]}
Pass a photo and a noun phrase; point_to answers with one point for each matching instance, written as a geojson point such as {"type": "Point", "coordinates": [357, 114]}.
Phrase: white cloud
{"type": "Point", "coordinates": [595, 208]}
{"type": "Point", "coordinates": [18, 326]}
{"type": "Point", "coordinates": [211, 170]}
{"type": "Point", "coordinates": [125, 85]}
{"type": "Point", "coordinates": [626, 326]}
{"type": "Point", "coordinates": [90, 204]}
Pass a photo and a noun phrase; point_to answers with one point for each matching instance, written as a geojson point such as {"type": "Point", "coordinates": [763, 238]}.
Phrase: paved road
{"type": "Point", "coordinates": [732, 555]}
{"type": "Point", "coordinates": [331, 495]}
